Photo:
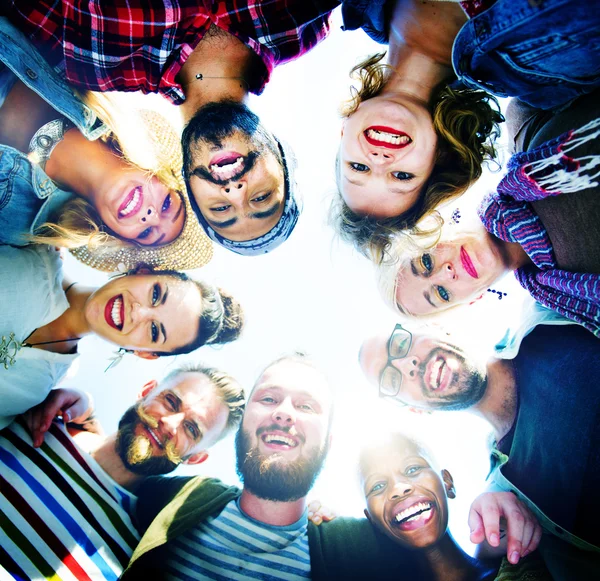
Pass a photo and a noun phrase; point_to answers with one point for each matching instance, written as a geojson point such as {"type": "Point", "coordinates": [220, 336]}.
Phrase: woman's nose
{"type": "Point", "coordinates": [379, 157]}
{"type": "Point", "coordinates": [150, 216]}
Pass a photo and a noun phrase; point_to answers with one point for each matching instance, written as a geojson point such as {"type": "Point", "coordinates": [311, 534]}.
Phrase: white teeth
{"type": "Point", "coordinates": [133, 202]}
{"type": "Point", "coordinates": [280, 440]}
{"type": "Point", "coordinates": [115, 312]}
{"type": "Point", "coordinates": [388, 137]}
{"type": "Point", "coordinates": [151, 432]}
{"type": "Point", "coordinates": [414, 512]}
{"type": "Point", "coordinates": [436, 379]}
{"type": "Point", "coordinates": [230, 167]}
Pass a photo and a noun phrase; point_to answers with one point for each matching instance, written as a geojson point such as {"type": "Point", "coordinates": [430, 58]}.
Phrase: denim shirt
{"type": "Point", "coordinates": [31, 296]}
{"type": "Point", "coordinates": [546, 53]}
{"type": "Point", "coordinates": [28, 197]}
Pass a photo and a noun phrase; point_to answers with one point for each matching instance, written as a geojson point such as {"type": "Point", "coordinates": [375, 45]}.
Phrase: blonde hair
{"type": "Point", "coordinates": [466, 123]}
{"type": "Point", "coordinates": [79, 224]}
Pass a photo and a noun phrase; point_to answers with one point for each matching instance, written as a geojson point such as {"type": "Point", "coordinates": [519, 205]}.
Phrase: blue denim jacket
{"type": "Point", "coordinates": [28, 197]}
{"type": "Point", "coordinates": [545, 52]}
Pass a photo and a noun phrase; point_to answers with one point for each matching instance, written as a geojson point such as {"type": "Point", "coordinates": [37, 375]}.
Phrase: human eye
{"type": "Point", "coordinates": [306, 407]}
{"type": "Point", "coordinates": [192, 430]}
{"type": "Point", "coordinates": [443, 294]}
{"type": "Point", "coordinates": [377, 487]}
{"type": "Point", "coordinates": [143, 235]}
{"type": "Point", "coordinates": [262, 198]}
{"type": "Point", "coordinates": [267, 399]}
{"type": "Point", "coordinates": [167, 203]}
{"type": "Point", "coordinates": [221, 208]}
{"type": "Point", "coordinates": [172, 402]}
{"type": "Point", "coordinates": [359, 167]}
{"type": "Point", "coordinates": [402, 175]}
{"type": "Point", "coordinates": [154, 332]}
{"type": "Point", "coordinates": [155, 294]}
{"type": "Point", "coordinates": [412, 470]}
{"type": "Point", "coordinates": [427, 263]}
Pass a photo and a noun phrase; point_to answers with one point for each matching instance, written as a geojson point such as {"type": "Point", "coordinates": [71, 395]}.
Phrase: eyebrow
{"type": "Point", "coordinates": [159, 238]}
{"type": "Point", "coordinates": [255, 215]}
{"type": "Point", "coordinates": [178, 211]}
{"type": "Point", "coordinates": [162, 302]}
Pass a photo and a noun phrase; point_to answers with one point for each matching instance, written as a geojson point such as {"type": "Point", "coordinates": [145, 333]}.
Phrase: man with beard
{"type": "Point", "coordinates": [543, 407]}
{"type": "Point", "coordinates": [195, 55]}
{"type": "Point", "coordinates": [199, 528]}
{"type": "Point", "coordinates": [67, 494]}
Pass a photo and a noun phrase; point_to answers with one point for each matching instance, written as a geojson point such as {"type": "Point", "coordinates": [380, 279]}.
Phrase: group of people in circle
{"type": "Point", "coordinates": [124, 194]}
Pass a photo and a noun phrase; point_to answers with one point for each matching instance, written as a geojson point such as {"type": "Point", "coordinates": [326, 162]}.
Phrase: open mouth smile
{"type": "Point", "coordinates": [132, 203]}
{"type": "Point", "coordinates": [224, 166]}
{"type": "Point", "coordinates": [154, 437]}
{"type": "Point", "coordinates": [380, 136]}
{"type": "Point", "coordinates": [279, 441]}
{"type": "Point", "coordinates": [415, 516]}
{"type": "Point", "coordinates": [438, 374]}
{"type": "Point", "coordinates": [114, 312]}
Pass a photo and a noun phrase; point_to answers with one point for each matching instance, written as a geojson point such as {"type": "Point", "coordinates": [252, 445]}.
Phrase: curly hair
{"type": "Point", "coordinates": [79, 224]}
{"type": "Point", "coordinates": [466, 124]}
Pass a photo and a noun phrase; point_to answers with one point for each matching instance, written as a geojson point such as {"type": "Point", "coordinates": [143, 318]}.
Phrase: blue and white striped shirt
{"type": "Point", "coordinates": [234, 546]}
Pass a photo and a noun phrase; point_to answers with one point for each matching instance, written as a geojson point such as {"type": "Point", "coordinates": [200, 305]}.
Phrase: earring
{"type": "Point", "coordinates": [117, 358]}
{"type": "Point", "coordinates": [455, 218]}
{"type": "Point", "coordinates": [500, 294]}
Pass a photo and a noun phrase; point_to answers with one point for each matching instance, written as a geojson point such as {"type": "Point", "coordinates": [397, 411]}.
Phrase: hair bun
{"type": "Point", "coordinates": [233, 319]}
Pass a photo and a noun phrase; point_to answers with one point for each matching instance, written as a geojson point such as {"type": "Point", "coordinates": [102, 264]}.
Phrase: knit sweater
{"type": "Point", "coordinates": [546, 171]}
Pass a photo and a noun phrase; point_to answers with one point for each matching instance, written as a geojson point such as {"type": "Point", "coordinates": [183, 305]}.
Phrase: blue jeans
{"type": "Point", "coordinates": [545, 52]}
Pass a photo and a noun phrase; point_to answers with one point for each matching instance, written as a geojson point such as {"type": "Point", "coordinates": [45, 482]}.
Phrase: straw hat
{"type": "Point", "coordinates": [191, 249]}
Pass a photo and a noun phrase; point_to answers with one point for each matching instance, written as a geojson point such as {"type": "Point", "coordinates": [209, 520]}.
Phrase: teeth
{"type": "Point", "coordinates": [414, 512]}
{"type": "Point", "coordinates": [280, 440]}
{"type": "Point", "coordinates": [133, 202]}
{"type": "Point", "coordinates": [388, 137]}
{"type": "Point", "coordinates": [151, 432]}
{"type": "Point", "coordinates": [116, 312]}
{"type": "Point", "coordinates": [229, 167]}
{"type": "Point", "coordinates": [436, 378]}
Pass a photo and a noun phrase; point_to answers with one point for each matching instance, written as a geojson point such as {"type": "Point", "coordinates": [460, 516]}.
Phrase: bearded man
{"type": "Point", "coordinates": [67, 493]}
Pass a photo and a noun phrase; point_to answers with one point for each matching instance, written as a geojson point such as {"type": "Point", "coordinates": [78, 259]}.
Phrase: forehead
{"type": "Point", "coordinates": [191, 387]}
{"type": "Point", "coordinates": [388, 454]}
{"type": "Point", "coordinates": [296, 379]}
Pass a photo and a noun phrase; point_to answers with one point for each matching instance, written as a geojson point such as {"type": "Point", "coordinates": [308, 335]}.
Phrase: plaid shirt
{"type": "Point", "coordinates": [141, 45]}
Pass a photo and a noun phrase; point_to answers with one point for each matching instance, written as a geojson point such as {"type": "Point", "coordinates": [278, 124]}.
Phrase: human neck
{"type": "Point", "coordinates": [447, 561]}
{"type": "Point", "coordinates": [513, 254]}
{"type": "Point", "coordinates": [271, 512]}
{"type": "Point", "coordinates": [83, 166]}
{"type": "Point", "coordinates": [499, 403]}
{"type": "Point", "coordinates": [222, 60]}
{"type": "Point", "coordinates": [108, 459]}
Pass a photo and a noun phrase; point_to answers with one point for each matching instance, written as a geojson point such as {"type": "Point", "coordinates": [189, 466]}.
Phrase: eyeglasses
{"type": "Point", "coordinates": [398, 347]}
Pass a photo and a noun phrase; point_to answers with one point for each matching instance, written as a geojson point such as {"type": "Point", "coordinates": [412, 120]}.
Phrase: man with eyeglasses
{"type": "Point", "coordinates": [543, 407]}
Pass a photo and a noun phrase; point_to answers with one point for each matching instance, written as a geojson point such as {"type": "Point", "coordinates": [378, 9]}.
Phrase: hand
{"type": "Point", "coordinates": [73, 405]}
{"type": "Point", "coordinates": [318, 514]}
{"type": "Point", "coordinates": [524, 532]}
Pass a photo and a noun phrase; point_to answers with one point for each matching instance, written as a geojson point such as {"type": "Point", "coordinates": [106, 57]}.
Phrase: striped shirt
{"type": "Point", "coordinates": [61, 516]}
{"type": "Point", "coordinates": [234, 546]}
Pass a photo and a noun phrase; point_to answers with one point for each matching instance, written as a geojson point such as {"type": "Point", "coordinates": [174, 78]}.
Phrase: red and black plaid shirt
{"type": "Point", "coordinates": [141, 45]}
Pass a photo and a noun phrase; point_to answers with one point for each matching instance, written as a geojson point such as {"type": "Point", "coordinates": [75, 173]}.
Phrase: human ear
{"type": "Point", "coordinates": [448, 483]}
{"type": "Point", "coordinates": [197, 458]}
{"type": "Point", "coordinates": [148, 387]}
{"type": "Point", "coordinates": [366, 511]}
{"type": "Point", "coordinates": [146, 354]}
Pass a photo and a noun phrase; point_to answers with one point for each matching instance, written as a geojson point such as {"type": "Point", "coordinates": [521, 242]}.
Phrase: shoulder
{"type": "Point", "coordinates": [373, 16]}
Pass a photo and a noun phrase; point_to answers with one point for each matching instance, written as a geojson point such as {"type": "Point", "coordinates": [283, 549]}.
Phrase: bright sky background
{"type": "Point", "coordinates": [313, 294]}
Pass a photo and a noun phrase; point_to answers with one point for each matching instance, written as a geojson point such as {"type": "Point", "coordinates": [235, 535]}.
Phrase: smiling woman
{"type": "Point", "coordinates": [72, 183]}
{"type": "Point", "coordinates": [148, 314]}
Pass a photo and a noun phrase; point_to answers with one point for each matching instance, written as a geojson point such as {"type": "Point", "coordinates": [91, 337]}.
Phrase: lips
{"type": "Point", "coordinates": [153, 437]}
{"type": "Point", "coordinates": [132, 203]}
{"type": "Point", "coordinates": [279, 440]}
{"type": "Point", "coordinates": [467, 264]}
{"type": "Point", "coordinates": [114, 312]}
{"type": "Point", "coordinates": [415, 516]}
{"type": "Point", "coordinates": [438, 374]}
{"type": "Point", "coordinates": [381, 136]}
{"type": "Point", "coordinates": [226, 164]}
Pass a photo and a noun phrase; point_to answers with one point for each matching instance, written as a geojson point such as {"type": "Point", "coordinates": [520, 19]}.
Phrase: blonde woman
{"type": "Point", "coordinates": [66, 178]}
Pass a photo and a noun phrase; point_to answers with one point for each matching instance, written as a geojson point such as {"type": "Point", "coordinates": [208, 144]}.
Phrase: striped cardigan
{"type": "Point", "coordinates": [507, 214]}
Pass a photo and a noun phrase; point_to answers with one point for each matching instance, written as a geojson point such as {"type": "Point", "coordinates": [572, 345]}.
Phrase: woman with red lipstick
{"type": "Point", "coordinates": [543, 53]}
{"type": "Point", "coordinates": [148, 314]}
{"type": "Point", "coordinates": [68, 181]}
{"type": "Point", "coordinates": [407, 500]}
